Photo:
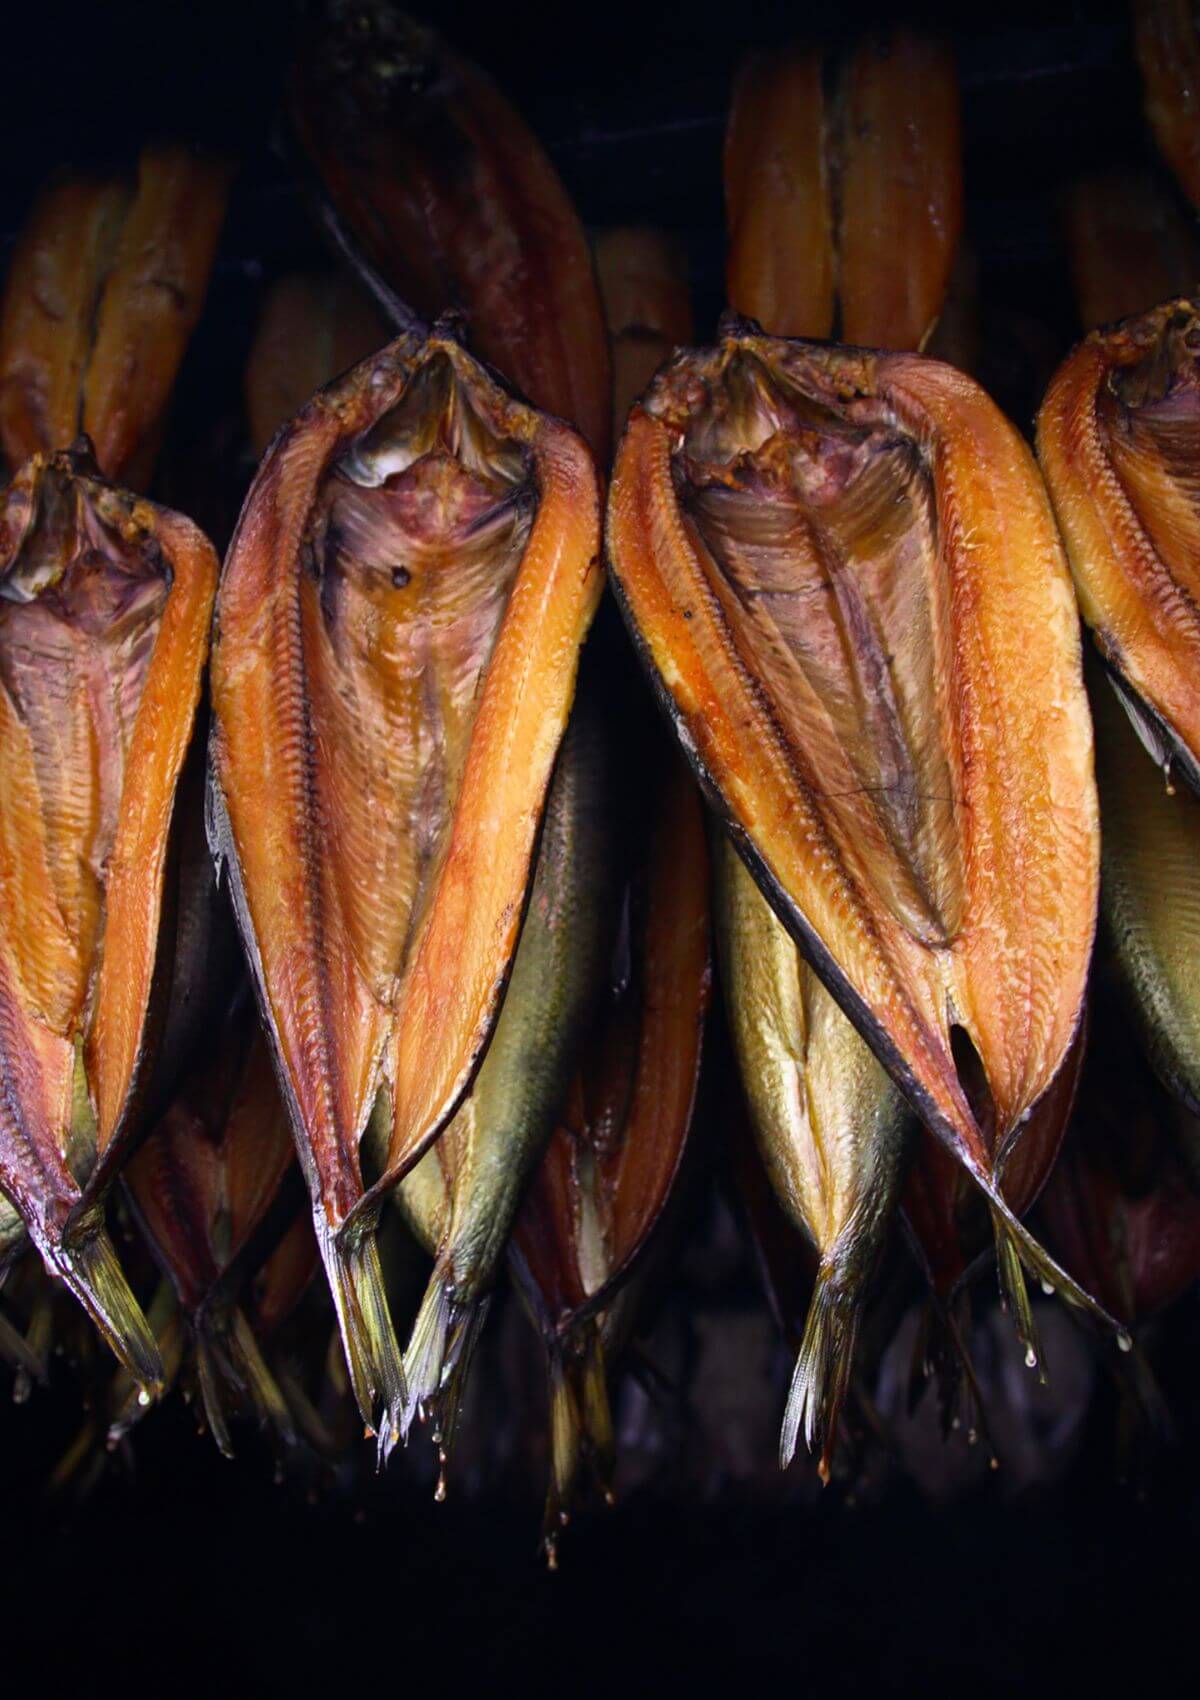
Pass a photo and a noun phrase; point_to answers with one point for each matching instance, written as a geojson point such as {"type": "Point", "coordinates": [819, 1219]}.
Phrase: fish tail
{"type": "Point", "coordinates": [566, 1452]}
{"type": "Point", "coordinates": [210, 1393]}
{"type": "Point", "coordinates": [425, 1357]}
{"type": "Point", "coordinates": [17, 1351]}
{"type": "Point", "coordinates": [439, 1356]}
{"type": "Point", "coordinates": [91, 1269]}
{"type": "Point", "coordinates": [1037, 1260]}
{"type": "Point", "coordinates": [255, 1375]}
{"type": "Point", "coordinates": [1014, 1295]}
{"type": "Point", "coordinates": [368, 1337]}
{"type": "Point", "coordinates": [1021, 1248]}
{"type": "Point", "coordinates": [822, 1372]}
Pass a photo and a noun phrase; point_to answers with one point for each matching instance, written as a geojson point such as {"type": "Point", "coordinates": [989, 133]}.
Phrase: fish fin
{"type": "Point", "coordinates": [425, 1355]}
{"type": "Point", "coordinates": [19, 1353]}
{"type": "Point", "coordinates": [591, 1381]}
{"type": "Point", "coordinates": [822, 1372]}
{"type": "Point", "coordinates": [368, 1337]}
{"type": "Point", "coordinates": [1032, 1255]}
{"type": "Point", "coordinates": [566, 1451]}
{"type": "Point", "coordinates": [210, 1393]}
{"type": "Point", "coordinates": [1014, 1295]}
{"type": "Point", "coordinates": [439, 1355]}
{"type": "Point", "coordinates": [91, 1269]}
{"type": "Point", "coordinates": [255, 1376]}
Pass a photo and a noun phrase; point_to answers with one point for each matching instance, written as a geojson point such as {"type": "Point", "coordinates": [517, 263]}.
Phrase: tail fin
{"type": "Point", "coordinates": [1022, 1250]}
{"type": "Point", "coordinates": [351, 1259]}
{"type": "Point", "coordinates": [89, 1266]}
{"type": "Point", "coordinates": [439, 1356]}
{"type": "Point", "coordinates": [226, 1349]}
{"type": "Point", "coordinates": [566, 1449]}
{"type": "Point", "coordinates": [1015, 1295]}
{"type": "Point", "coordinates": [822, 1372]}
{"type": "Point", "coordinates": [580, 1425]}
{"type": "Point", "coordinates": [18, 1352]}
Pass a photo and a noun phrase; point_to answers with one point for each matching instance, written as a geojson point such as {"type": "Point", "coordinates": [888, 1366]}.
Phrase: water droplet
{"type": "Point", "coordinates": [1124, 1342]}
{"type": "Point", "coordinates": [1048, 1288]}
{"type": "Point", "coordinates": [993, 1463]}
{"type": "Point", "coordinates": [436, 1437]}
{"type": "Point", "coordinates": [439, 1492]}
{"type": "Point", "coordinates": [1030, 1358]}
{"type": "Point", "coordinates": [564, 1517]}
{"type": "Point", "coordinates": [610, 1497]}
{"type": "Point", "coordinates": [972, 1437]}
{"type": "Point", "coordinates": [551, 1553]}
{"type": "Point", "coordinates": [143, 1397]}
{"type": "Point", "coordinates": [956, 1423]}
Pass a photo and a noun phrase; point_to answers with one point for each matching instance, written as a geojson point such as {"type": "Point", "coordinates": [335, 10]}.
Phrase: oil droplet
{"type": "Point", "coordinates": [993, 1463]}
{"type": "Point", "coordinates": [972, 1437]}
{"type": "Point", "coordinates": [551, 1553]}
{"type": "Point", "coordinates": [610, 1497]}
{"type": "Point", "coordinates": [439, 1492]}
{"type": "Point", "coordinates": [1124, 1342]}
{"type": "Point", "coordinates": [956, 1423]}
{"type": "Point", "coordinates": [1030, 1358]}
{"type": "Point", "coordinates": [143, 1397]}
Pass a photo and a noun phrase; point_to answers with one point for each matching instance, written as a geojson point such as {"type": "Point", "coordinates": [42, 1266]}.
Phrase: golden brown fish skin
{"type": "Point", "coordinates": [644, 286]}
{"type": "Point", "coordinates": [830, 1127]}
{"type": "Point", "coordinates": [978, 896]}
{"type": "Point", "coordinates": [105, 603]}
{"type": "Point", "coordinates": [590, 1214]}
{"type": "Point", "coordinates": [1130, 246]}
{"type": "Point", "coordinates": [1113, 440]}
{"type": "Point", "coordinates": [312, 329]}
{"type": "Point", "coordinates": [46, 321]}
{"type": "Point", "coordinates": [782, 262]}
{"type": "Point", "coordinates": [150, 304]}
{"type": "Point", "coordinates": [105, 289]}
{"type": "Point", "coordinates": [845, 213]}
{"type": "Point", "coordinates": [437, 183]}
{"type": "Point", "coordinates": [1168, 51]}
{"type": "Point", "coordinates": [413, 574]}
{"type": "Point", "coordinates": [901, 191]}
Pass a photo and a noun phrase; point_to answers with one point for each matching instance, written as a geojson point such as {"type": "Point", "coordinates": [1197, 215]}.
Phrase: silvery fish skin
{"type": "Point", "coordinates": [830, 1126]}
{"type": "Point", "coordinates": [1150, 893]}
{"type": "Point", "coordinates": [462, 1198]}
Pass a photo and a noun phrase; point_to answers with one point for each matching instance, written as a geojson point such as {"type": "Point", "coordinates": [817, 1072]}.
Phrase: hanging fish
{"type": "Point", "coordinates": [463, 1197]}
{"type": "Point", "coordinates": [612, 1162]}
{"type": "Point", "coordinates": [1130, 246]}
{"type": "Point", "coordinates": [845, 209]}
{"type": "Point", "coordinates": [398, 631]}
{"type": "Point", "coordinates": [644, 285]}
{"type": "Point", "coordinates": [1118, 434]}
{"type": "Point", "coordinates": [830, 1127]}
{"type": "Point", "coordinates": [442, 198]}
{"type": "Point", "coordinates": [104, 291]}
{"type": "Point", "coordinates": [105, 602]}
{"type": "Point", "coordinates": [313, 328]}
{"type": "Point", "coordinates": [1168, 52]}
{"type": "Point", "coordinates": [842, 574]}
{"type": "Point", "coordinates": [204, 1185]}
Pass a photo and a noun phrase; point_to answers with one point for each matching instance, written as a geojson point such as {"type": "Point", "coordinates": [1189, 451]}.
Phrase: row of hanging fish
{"type": "Point", "coordinates": [353, 892]}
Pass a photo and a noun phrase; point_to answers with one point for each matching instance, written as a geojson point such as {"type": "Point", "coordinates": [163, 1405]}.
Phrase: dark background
{"type": "Point", "coordinates": [194, 1575]}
